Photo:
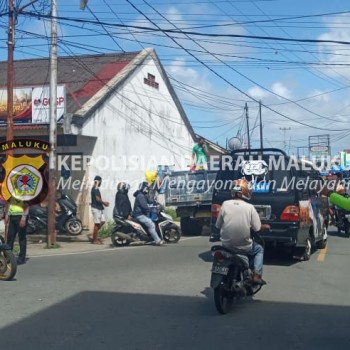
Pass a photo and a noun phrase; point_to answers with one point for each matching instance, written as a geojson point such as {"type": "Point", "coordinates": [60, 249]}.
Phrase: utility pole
{"type": "Point", "coordinates": [51, 229]}
{"type": "Point", "coordinates": [10, 65]}
{"type": "Point", "coordinates": [284, 129]}
{"type": "Point", "coordinates": [83, 4]}
{"type": "Point", "coordinates": [247, 119]}
{"type": "Point", "coordinates": [261, 127]}
{"type": "Point", "coordinates": [10, 73]}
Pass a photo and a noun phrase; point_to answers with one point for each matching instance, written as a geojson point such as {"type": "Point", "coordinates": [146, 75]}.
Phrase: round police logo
{"type": "Point", "coordinates": [25, 182]}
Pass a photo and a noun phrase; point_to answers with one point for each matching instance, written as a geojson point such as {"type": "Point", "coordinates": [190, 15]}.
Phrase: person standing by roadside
{"type": "Point", "coordinates": [200, 155]}
{"type": "Point", "coordinates": [16, 220]}
{"type": "Point", "coordinates": [97, 207]}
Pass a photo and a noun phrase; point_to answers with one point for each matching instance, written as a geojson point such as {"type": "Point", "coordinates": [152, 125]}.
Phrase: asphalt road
{"type": "Point", "coordinates": [159, 298]}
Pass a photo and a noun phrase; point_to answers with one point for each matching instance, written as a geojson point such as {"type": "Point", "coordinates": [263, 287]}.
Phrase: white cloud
{"type": "Point", "coordinates": [257, 92]}
{"type": "Point", "coordinates": [318, 95]}
{"type": "Point", "coordinates": [188, 75]}
{"type": "Point", "coordinates": [281, 90]}
{"type": "Point", "coordinates": [334, 53]}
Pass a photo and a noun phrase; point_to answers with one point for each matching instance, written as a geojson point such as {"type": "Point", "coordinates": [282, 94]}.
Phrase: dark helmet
{"type": "Point", "coordinates": [144, 187]}
{"type": "Point", "coordinates": [98, 178]}
{"type": "Point", "coordinates": [242, 189]}
{"type": "Point", "coordinates": [123, 187]}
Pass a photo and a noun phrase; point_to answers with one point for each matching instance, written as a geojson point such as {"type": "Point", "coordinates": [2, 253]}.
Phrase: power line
{"type": "Point", "coordinates": [179, 31]}
{"type": "Point", "coordinates": [102, 25]}
{"type": "Point", "coordinates": [220, 76]}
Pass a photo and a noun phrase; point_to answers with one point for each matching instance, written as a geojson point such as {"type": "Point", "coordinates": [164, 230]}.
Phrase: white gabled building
{"type": "Point", "coordinates": [122, 117]}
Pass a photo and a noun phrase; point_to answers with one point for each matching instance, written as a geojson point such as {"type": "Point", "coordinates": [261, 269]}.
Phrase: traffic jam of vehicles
{"type": "Point", "coordinates": [293, 199]}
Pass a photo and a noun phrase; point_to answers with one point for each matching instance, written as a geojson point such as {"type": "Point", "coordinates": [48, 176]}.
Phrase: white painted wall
{"type": "Point", "coordinates": [141, 122]}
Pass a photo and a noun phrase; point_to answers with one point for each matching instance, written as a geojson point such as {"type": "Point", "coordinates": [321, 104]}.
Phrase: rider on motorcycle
{"type": "Point", "coordinates": [235, 221]}
{"type": "Point", "coordinates": [122, 205]}
{"type": "Point", "coordinates": [332, 184]}
{"type": "Point", "coordinates": [142, 211]}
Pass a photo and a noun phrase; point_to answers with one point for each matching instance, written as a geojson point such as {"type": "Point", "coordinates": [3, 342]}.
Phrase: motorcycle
{"type": "Point", "coordinates": [128, 232]}
{"type": "Point", "coordinates": [342, 221]}
{"type": "Point", "coordinates": [66, 218]}
{"type": "Point", "coordinates": [8, 262]}
{"type": "Point", "coordinates": [231, 277]}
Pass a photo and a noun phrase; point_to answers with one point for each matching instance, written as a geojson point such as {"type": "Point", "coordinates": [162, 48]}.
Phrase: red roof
{"type": "Point", "coordinates": [83, 75]}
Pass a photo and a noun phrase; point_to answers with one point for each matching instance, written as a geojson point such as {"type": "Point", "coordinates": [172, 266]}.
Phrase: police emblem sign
{"type": "Point", "coordinates": [24, 175]}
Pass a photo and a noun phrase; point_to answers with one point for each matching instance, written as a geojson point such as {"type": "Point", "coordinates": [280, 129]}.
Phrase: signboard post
{"type": "Point", "coordinates": [320, 150]}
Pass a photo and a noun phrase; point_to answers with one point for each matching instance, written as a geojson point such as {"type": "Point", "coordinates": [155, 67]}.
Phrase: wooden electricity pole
{"type": "Point", "coordinates": [10, 65]}
{"type": "Point", "coordinates": [10, 72]}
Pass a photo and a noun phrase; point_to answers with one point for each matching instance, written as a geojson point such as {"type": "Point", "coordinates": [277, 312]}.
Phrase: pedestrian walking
{"type": "Point", "coordinates": [97, 208]}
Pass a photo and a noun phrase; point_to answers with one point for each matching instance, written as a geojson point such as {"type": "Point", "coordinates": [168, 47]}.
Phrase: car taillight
{"type": "Point", "coordinates": [290, 213]}
{"type": "Point", "coordinates": [218, 256]}
{"type": "Point", "coordinates": [215, 210]}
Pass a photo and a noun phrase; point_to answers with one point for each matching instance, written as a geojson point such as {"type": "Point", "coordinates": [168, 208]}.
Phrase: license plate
{"type": "Point", "coordinates": [264, 211]}
{"type": "Point", "coordinates": [222, 270]}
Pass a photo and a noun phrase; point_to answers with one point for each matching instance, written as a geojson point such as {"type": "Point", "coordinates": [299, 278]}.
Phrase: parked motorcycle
{"type": "Point", "coordinates": [230, 277]}
{"type": "Point", "coordinates": [132, 232]}
{"type": "Point", "coordinates": [8, 262]}
{"type": "Point", "coordinates": [342, 221]}
{"type": "Point", "coordinates": [66, 218]}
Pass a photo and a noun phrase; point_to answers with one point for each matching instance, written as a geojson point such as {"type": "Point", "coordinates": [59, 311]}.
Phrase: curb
{"type": "Point", "coordinates": [66, 249]}
{"type": "Point", "coordinates": [37, 245]}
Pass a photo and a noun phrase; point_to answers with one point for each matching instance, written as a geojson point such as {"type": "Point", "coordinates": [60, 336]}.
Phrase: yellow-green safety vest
{"type": "Point", "coordinates": [16, 207]}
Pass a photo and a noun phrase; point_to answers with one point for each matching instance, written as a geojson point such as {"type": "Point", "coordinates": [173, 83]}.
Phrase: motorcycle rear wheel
{"type": "Point", "coordinates": [172, 234]}
{"type": "Point", "coordinates": [223, 302]}
{"type": "Point", "coordinates": [8, 265]}
{"type": "Point", "coordinates": [118, 241]}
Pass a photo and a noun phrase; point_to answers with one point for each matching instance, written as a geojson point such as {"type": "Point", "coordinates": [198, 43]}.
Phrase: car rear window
{"type": "Point", "coordinates": [265, 179]}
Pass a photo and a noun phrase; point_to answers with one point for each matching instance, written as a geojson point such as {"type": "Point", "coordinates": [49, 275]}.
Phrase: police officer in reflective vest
{"type": "Point", "coordinates": [16, 219]}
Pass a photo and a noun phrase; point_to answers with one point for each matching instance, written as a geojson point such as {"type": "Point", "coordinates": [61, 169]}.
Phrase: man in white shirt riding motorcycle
{"type": "Point", "coordinates": [235, 221]}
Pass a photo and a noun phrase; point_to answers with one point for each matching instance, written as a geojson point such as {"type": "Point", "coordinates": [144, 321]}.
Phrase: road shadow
{"type": "Point", "coordinates": [272, 256]}
{"type": "Point", "coordinates": [279, 256]}
{"type": "Point", "coordinates": [334, 233]}
{"type": "Point", "coordinates": [206, 256]}
{"type": "Point", "coordinates": [106, 320]}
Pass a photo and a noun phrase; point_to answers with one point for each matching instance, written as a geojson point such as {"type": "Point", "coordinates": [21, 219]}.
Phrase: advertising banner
{"type": "Point", "coordinates": [31, 105]}
{"type": "Point", "coordinates": [22, 105]}
{"type": "Point", "coordinates": [41, 104]}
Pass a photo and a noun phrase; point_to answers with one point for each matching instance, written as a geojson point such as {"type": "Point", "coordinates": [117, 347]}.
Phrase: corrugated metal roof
{"type": "Point", "coordinates": [83, 75]}
{"type": "Point", "coordinates": [86, 77]}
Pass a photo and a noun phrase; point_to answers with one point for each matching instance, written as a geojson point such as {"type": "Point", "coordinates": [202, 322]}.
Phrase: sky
{"type": "Point", "coordinates": [220, 56]}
